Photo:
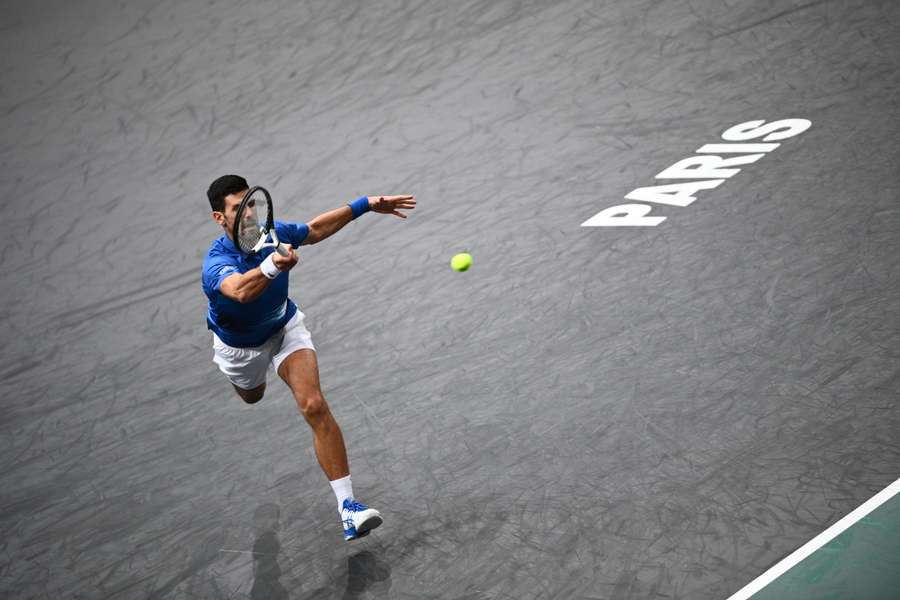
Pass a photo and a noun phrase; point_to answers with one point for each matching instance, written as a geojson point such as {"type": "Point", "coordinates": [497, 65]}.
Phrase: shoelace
{"type": "Point", "coordinates": [354, 506]}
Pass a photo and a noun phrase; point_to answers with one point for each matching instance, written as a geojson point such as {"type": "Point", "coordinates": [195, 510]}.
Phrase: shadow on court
{"type": "Point", "coordinates": [266, 570]}
{"type": "Point", "coordinates": [366, 573]}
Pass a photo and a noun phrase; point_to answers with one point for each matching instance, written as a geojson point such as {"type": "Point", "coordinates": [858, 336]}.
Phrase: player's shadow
{"type": "Point", "coordinates": [266, 570]}
{"type": "Point", "coordinates": [367, 573]}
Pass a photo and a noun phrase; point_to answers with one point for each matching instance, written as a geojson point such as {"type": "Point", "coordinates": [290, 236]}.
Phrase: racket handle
{"type": "Point", "coordinates": [281, 250]}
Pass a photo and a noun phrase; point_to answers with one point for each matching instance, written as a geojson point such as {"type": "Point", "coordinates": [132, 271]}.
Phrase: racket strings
{"type": "Point", "coordinates": [252, 222]}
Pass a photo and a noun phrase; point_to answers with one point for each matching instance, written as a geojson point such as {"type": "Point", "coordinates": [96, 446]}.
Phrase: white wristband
{"type": "Point", "coordinates": [268, 267]}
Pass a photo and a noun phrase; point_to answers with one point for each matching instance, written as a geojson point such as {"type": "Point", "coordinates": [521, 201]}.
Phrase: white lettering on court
{"type": "Point", "coordinates": [708, 170]}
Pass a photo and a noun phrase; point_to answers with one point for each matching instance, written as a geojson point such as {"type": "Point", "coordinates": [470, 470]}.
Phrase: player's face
{"type": "Point", "coordinates": [226, 218]}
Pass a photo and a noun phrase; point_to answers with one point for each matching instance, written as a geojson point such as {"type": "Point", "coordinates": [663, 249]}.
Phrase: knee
{"type": "Point", "coordinates": [313, 407]}
{"type": "Point", "coordinates": [251, 396]}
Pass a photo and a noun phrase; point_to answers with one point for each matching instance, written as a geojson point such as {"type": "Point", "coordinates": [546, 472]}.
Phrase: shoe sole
{"type": "Point", "coordinates": [368, 525]}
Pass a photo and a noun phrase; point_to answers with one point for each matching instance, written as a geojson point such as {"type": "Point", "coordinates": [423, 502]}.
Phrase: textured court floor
{"type": "Point", "coordinates": [587, 413]}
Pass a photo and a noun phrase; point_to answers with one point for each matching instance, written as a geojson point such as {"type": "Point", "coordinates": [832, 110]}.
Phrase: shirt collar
{"type": "Point", "coordinates": [228, 244]}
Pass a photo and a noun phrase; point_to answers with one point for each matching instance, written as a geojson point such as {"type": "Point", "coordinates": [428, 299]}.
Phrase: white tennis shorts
{"type": "Point", "coordinates": [247, 367]}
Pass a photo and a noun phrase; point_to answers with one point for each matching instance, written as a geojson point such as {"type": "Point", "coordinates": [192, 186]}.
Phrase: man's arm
{"type": "Point", "coordinates": [244, 287]}
{"type": "Point", "coordinates": [247, 287]}
{"type": "Point", "coordinates": [329, 223]}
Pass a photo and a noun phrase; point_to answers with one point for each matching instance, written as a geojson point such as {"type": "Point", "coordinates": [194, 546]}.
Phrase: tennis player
{"type": "Point", "coordinates": [256, 326]}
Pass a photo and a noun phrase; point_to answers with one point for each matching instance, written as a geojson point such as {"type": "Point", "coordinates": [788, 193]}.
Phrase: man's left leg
{"type": "Point", "coordinates": [300, 371]}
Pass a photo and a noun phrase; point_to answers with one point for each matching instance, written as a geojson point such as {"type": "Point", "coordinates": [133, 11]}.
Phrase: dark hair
{"type": "Point", "coordinates": [223, 186]}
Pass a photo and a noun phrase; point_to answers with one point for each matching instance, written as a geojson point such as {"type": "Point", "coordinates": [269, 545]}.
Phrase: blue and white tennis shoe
{"type": "Point", "coordinates": [358, 519]}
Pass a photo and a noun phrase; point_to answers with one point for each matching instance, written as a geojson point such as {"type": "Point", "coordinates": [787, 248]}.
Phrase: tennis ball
{"type": "Point", "coordinates": [461, 261]}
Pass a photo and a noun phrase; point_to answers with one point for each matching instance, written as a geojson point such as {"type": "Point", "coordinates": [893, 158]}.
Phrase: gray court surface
{"type": "Point", "coordinates": [656, 412]}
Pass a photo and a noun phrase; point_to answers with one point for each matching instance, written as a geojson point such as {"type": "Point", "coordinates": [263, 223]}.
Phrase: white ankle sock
{"type": "Point", "coordinates": [343, 490]}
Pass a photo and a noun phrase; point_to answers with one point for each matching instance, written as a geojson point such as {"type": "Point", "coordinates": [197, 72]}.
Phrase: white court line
{"type": "Point", "coordinates": [817, 542]}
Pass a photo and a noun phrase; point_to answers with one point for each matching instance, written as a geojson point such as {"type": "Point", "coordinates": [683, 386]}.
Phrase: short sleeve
{"type": "Point", "coordinates": [292, 233]}
{"type": "Point", "coordinates": [215, 269]}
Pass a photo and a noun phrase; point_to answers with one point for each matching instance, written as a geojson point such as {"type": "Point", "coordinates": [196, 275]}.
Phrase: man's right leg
{"type": "Point", "coordinates": [251, 396]}
{"type": "Point", "coordinates": [245, 368]}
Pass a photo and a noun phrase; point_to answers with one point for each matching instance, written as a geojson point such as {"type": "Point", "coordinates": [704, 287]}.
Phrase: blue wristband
{"type": "Point", "coordinates": [359, 206]}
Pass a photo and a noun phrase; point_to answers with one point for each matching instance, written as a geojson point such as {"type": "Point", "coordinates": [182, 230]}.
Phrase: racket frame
{"type": "Point", "coordinates": [269, 225]}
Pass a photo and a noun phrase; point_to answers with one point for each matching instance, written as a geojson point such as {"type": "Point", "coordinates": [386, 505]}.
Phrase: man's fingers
{"type": "Point", "coordinates": [291, 256]}
{"type": "Point", "coordinates": [393, 204]}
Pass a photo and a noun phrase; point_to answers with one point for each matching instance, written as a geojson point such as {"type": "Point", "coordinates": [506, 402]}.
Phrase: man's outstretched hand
{"type": "Point", "coordinates": [391, 205]}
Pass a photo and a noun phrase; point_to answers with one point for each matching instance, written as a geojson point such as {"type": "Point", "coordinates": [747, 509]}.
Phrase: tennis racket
{"type": "Point", "coordinates": [254, 224]}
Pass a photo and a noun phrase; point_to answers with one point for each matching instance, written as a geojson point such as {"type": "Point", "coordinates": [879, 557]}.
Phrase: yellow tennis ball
{"type": "Point", "coordinates": [461, 261]}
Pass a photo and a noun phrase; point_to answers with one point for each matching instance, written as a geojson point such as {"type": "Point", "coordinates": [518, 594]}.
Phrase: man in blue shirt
{"type": "Point", "coordinates": [257, 327]}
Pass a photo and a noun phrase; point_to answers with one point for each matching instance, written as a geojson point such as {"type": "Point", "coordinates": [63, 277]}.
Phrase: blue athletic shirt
{"type": "Point", "coordinates": [251, 324]}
